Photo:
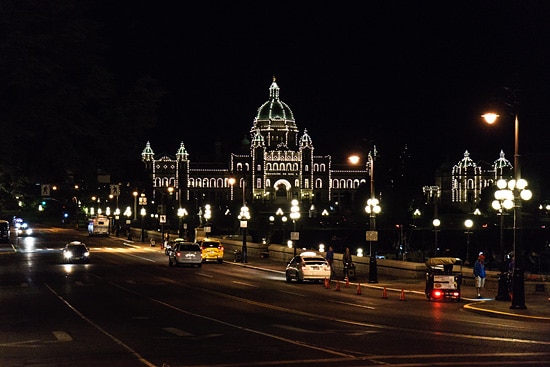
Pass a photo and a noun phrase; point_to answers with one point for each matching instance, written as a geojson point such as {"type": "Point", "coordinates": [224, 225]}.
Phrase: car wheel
{"type": "Point", "coordinates": [170, 263]}
{"type": "Point", "coordinates": [199, 265]}
{"type": "Point", "coordinates": [220, 261]}
{"type": "Point", "coordinates": [288, 278]}
{"type": "Point", "coordinates": [299, 278]}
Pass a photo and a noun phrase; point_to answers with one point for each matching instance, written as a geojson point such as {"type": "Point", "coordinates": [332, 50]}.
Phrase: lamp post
{"type": "Point", "coordinates": [517, 186]}
{"type": "Point", "coordinates": [244, 216]}
{"type": "Point", "coordinates": [135, 193]}
{"type": "Point", "coordinates": [294, 215]}
{"type": "Point", "coordinates": [504, 200]}
{"type": "Point", "coordinates": [142, 212]}
{"type": "Point", "coordinates": [372, 209]}
{"type": "Point", "coordinates": [181, 214]}
{"type": "Point", "coordinates": [468, 223]}
{"type": "Point", "coordinates": [128, 214]}
{"type": "Point", "coordinates": [436, 223]}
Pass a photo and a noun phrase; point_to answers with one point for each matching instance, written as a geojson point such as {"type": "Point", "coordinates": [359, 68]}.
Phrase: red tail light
{"type": "Point", "coordinates": [178, 254]}
{"type": "Point", "coordinates": [437, 294]}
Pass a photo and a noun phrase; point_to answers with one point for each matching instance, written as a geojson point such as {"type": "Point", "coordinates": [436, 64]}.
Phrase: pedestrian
{"type": "Point", "coordinates": [348, 262]}
{"type": "Point", "coordinates": [330, 260]}
{"type": "Point", "coordinates": [479, 274]}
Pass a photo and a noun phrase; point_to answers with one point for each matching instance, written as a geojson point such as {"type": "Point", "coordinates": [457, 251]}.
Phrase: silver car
{"type": "Point", "coordinates": [185, 253]}
{"type": "Point", "coordinates": [307, 266]}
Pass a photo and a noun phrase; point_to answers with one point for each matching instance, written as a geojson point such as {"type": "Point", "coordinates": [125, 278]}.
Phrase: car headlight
{"type": "Point", "coordinates": [67, 255]}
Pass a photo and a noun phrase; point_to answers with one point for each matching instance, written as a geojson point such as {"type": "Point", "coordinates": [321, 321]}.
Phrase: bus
{"type": "Point", "coordinates": [98, 226]}
{"type": "Point", "coordinates": [5, 231]}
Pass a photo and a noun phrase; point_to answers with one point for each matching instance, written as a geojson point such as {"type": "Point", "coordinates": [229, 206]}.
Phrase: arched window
{"type": "Point", "coordinates": [267, 183]}
{"type": "Point", "coordinates": [306, 168]}
{"type": "Point", "coordinates": [318, 183]}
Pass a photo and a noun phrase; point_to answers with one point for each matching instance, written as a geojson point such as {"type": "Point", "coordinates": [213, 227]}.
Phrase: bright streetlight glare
{"type": "Point", "coordinates": [490, 117]}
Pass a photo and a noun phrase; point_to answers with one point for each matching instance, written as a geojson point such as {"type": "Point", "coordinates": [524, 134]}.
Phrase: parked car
{"type": "Point", "coordinates": [307, 266]}
{"type": "Point", "coordinates": [212, 250]}
{"type": "Point", "coordinates": [185, 253]}
{"type": "Point", "coordinates": [75, 252]}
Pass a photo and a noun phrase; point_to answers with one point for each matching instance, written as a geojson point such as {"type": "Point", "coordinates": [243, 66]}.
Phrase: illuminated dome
{"type": "Point", "coordinates": [275, 122]}
{"type": "Point", "coordinates": [274, 110]}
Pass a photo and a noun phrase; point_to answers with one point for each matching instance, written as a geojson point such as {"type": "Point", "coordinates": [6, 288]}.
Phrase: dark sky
{"type": "Point", "coordinates": [410, 72]}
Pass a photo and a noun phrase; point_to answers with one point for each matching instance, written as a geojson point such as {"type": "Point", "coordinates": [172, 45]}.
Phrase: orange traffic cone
{"type": "Point", "coordinates": [384, 294]}
{"type": "Point", "coordinates": [358, 288]}
{"type": "Point", "coordinates": [337, 285]}
{"type": "Point", "coordinates": [402, 298]}
{"type": "Point", "coordinates": [327, 283]}
{"type": "Point", "coordinates": [347, 282]}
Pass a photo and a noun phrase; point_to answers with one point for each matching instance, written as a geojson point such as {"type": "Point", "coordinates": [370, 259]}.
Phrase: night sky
{"type": "Point", "coordinates": [409, 73]}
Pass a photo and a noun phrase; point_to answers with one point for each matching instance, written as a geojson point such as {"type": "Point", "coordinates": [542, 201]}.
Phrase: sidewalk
{"type": "Point", "coordinates": [538, 303]}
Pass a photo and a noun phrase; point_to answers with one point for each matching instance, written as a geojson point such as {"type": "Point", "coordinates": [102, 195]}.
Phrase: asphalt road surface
{"type": "Point", "coordinates": [128, 308]}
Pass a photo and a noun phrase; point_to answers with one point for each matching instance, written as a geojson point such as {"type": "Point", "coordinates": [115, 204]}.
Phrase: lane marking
{"type": "Point", "coordinates": [112, 337]}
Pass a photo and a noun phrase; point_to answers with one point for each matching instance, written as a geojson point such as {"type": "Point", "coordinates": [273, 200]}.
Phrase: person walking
{"type": "Point", "coordinates": [479, 274]}
{"type": "Point", "coordinates": [330, 260]}
{"type": "Point", "coordinates": [348, 262]}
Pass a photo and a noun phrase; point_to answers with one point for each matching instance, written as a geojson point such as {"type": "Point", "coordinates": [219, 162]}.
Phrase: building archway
{"type": "Point", "coordinates": [282, 191]}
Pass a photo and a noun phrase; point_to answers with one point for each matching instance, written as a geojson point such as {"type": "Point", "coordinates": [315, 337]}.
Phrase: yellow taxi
{"type": "Point", "coordinates": [212, 250]}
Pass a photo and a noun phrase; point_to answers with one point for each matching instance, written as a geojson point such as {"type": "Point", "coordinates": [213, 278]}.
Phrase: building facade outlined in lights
{"type": "Point", "coordinates": [280, 165]}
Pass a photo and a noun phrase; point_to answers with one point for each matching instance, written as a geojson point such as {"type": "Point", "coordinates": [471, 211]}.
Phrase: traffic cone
{"type": "Point", "coordinates": [327, 283]}
{"type": "Point", "coordinates": [402, 298]}
{"type": "Point", "coordinates": [337, 285]}
{"type": "Point", "coordinates": [384, 294]}
{"type": "Point", "coordinates": [358, 288]}
{"type": "Point", "coordinates": [347, 282]}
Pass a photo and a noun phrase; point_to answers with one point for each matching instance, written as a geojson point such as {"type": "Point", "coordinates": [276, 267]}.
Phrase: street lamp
{"type": "Point", "coordinates": [181, 214]}
{"type": "Point", "coordinates": [244, 216]}
{"type": "Point", "coordinates": [135, 193]}
{"type": "Point", "coordinates": [504, 200]}
{"type": "Point", "coordinates": [468, 223]}
{"type": "Point", "coordinates": [128, 215]}
{"type": "Point", "coordinates": [517, 185]}
{"type": "Point", "coordinates": [436, 223]}
{"type": "Point", "coordinates": [143, 212]}
{"type": "Point", "coordinates": [294, 215]}
{"type": "Point", "coordinates": [372, 209]}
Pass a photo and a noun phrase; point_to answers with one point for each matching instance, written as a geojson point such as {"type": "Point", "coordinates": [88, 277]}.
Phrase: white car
{"type": "Point", "coordinates": [307, 266]}
{"type": "Point", "coordinates": [23, 229]}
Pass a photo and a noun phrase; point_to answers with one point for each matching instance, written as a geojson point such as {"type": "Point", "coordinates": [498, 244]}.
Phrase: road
{"type": "Point", "coordinates": [128, 308]}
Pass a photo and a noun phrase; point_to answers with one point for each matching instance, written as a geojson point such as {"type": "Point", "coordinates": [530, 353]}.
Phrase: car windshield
{"type": "Point", "coordinates": [186, 247]}
{"type": "Point", "coordinates": [81, 248]}
{"type": "Point", "coordinates": [314, 260]}
{"type": "Point", "coordinates": [210, 244]}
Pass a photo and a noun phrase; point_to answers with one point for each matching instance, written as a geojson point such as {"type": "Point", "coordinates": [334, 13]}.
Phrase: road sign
{"type": "Point", "coordinates": [162, 218]}
{"type": "Point", "coordinates": [295, 236]}
{"type": "Point", "coordinates": [372, 235]}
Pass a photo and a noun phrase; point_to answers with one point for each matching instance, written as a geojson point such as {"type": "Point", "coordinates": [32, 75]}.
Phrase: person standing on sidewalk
{"type": "Point", "coordinates": [348, 263]}
{"type": "Point", "coordinates": [479, 274]}
{"type": "Point", "coordinates": [330, 260]}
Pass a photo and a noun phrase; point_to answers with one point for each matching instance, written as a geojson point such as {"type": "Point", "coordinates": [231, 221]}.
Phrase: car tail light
{"type": "Point", "coordinates": [220, 247]}
{"type": "Point", "coordinates": [456, 294]}
{"type": "Point", "coordinates": [437, 294]}
{"type": "Point", "coordinates": [178, 254]}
